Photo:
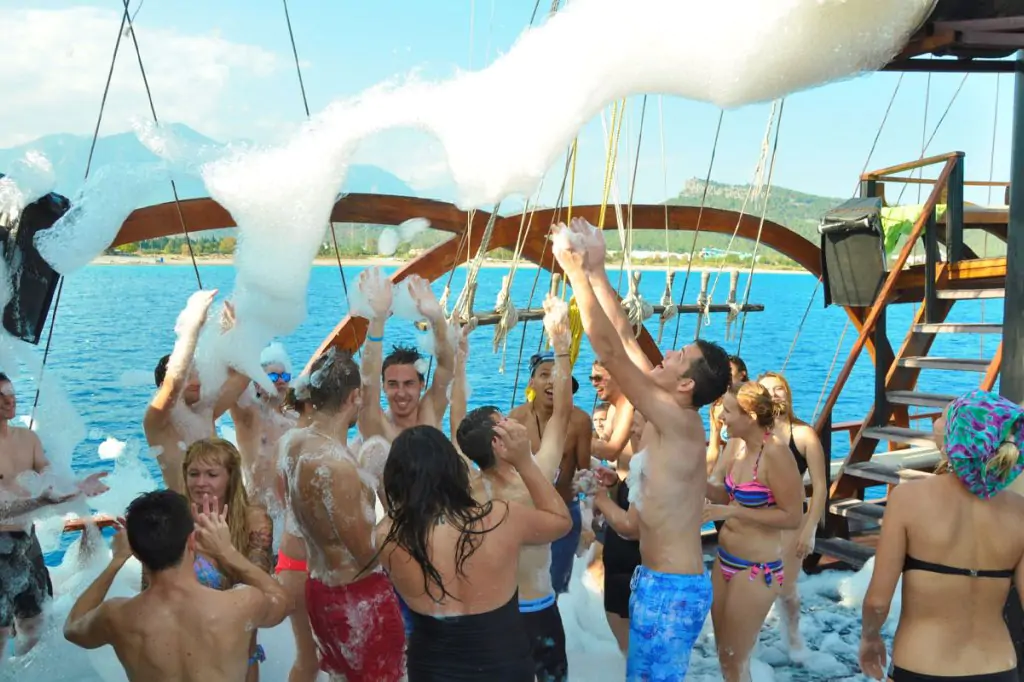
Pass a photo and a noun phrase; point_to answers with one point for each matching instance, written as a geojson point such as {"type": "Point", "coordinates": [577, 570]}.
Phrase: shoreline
{"type": "Point", "coordinates": [396, 262]}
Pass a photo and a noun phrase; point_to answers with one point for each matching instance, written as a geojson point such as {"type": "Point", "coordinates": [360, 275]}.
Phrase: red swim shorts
{"type": "Point", "coordinates": [358, 629]}
{"type": "Point", "coordinates": [286, 563]}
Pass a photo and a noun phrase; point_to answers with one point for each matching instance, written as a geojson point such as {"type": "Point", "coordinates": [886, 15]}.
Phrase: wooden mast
{"type": "Point", "coordinates": [1011, 383]}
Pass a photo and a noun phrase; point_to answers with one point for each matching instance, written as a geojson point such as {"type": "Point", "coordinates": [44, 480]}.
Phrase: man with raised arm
{"type": "Point", "coordinates": [27, 485]}
{"type": "Point", "coordinates": [534, 415]}
{"type": "Point", "coordinates": [671, 589]}
{"type": "Point", "coordinates": [176, 416]}
{"type": "Point", "coordinates": [400, 373]}
{"type": "Point", "coordinates": [352, 607]}
{"type": "Point", "coordinates": [177, 630]}
{"type": "Point", "coordinates": [476, 438]}
{"type": "Point", "coordinates": [260, 420]}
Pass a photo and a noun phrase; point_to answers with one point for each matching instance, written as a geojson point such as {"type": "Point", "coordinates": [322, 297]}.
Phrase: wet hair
{"type": "Point", "coordinates": [4, 378]}
{"type": "Point", "coordinates": [402, 355]}
{"type": "Point", "coordinates": [740, 365]}
{"type": "Point", "coordinates": [475, 436]}
{"type": "Point", "coordinates": [785, 409]}
{"type": "Point", "coordinates": [332, 379]}
{"type": "Point", "coordinates": [161, 370]}
{"type": "Point", "coordinates": [293, 402]}
{"type": "Point", "coordinates": [711, 373]}
{"type": "Point", "coordinates": [756, 401]}
{"type": "Point", "coordinates": [425, 481]}
{"type": "Point", "coordinates": [159, 524]}
{"type": "Point", "coordinates": [220, 452]}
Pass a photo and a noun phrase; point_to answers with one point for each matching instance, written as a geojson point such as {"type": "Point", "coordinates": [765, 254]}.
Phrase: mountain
{"type": "Point", "coordinates": [69, 154]}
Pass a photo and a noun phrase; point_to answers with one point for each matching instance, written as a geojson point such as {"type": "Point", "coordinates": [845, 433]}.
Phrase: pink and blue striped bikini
{"type": "Point", "coordinates": [754, 495]}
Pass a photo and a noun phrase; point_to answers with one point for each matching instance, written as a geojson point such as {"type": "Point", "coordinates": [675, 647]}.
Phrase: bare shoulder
{"type": "Point", "coordinates": [519, 412]}
{"type": "Point", "coordinates": [804, 432]}
{"type": "Point", "coordinates": [580, 418]}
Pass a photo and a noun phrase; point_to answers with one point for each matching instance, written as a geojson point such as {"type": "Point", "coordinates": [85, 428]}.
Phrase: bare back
{"type": "Point", "coordinates": [672, 479]}
{"type": "Point", "coordinates": [20, 452]}
{"type": "Point", "coordinates": [488, 579]}
{"type": "Point", "coordinates": [953, 624]}
{"type": "Point", "coordinates": [332, 506]}
{"type": "Point", "coordinates": [258, 429]}
{"type": "Point", "coordinates": [184, 634]}
{"type": "Point", "coordinates": [534, 572]}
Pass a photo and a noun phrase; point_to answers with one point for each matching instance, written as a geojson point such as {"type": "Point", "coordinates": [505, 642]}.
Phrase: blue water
{"type": "Point", "coordinates": [112, 319]}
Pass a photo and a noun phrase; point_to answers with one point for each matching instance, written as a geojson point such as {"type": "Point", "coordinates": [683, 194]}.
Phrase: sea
{"type": "Point", "coordinates": [113, 322]}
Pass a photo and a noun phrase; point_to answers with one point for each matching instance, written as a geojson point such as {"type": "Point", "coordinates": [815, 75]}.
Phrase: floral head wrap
{"type": "Point", "coordinates": [977, 424]}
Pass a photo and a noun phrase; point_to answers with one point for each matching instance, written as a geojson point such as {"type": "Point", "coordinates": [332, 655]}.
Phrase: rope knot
{"type": "Point", "coordinates": [636, 308]}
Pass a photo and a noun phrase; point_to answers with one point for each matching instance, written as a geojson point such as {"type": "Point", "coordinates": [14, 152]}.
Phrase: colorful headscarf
{"type": "Point", "coordinates": [976, 425]}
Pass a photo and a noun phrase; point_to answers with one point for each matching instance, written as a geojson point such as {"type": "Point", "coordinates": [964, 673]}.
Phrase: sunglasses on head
{"type": "Point", "coordinates": [279, 376]}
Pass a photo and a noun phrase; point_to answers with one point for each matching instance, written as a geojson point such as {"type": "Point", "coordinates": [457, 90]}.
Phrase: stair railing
{"type": "Point", "coordinates": [953, 162]}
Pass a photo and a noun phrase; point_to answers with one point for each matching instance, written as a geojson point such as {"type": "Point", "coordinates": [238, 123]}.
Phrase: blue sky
{"type": "Point", "coordinates": [225, 68]}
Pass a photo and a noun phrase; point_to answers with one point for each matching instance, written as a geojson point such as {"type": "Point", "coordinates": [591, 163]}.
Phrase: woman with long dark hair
{"type": "Point", "coordinates": [454, 561]}
{"type": "Point", "coordinates": [957, 540]}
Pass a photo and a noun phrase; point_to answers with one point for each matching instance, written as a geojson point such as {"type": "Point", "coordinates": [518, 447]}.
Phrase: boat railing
{"type": "Point", "coordinates": [949, 183]}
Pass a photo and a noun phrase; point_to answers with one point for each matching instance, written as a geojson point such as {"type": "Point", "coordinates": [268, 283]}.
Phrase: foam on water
{"type": "Point", "coordinates": [96, 214]}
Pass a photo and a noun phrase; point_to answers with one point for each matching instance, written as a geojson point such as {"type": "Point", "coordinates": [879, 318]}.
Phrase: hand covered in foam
{"type": "Point", "coordinates": [513, 444]}
{"type": "Point", "coordinates": [586, 482]}
{"type": "Point", "coordinates": [376, 290]}
{"type": "Point", "coordinates": [227, 317]}
{"type": "Point", "coordinates": [194, 314]}
{"type": "Point", "coordinates": [556, 323]}
{"type": "Point", "coordinates": [426, 302]}
{"type": "Point", "coordinates": [462, 342]}
{"type": "Point", "coordinates": [569, 249]}
{"type": "Point", "coordinates": [93, 485]}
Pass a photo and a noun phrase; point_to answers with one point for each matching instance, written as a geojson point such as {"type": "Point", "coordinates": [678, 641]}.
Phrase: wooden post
{"type": "Point", "coordinates": [955, 212]}
{"type": "Point", "coordinates": [1011, 380]}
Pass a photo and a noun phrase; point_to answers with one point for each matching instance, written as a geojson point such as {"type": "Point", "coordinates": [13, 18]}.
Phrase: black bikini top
{"type": "Point", "coordinates": [912, 564]}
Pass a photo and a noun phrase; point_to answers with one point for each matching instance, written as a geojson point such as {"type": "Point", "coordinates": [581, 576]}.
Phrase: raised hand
{"type": "Point", "coordinates": [556, 323]}
{"type": "Point", "coordinates": [213, 537]}
{"type": "Point", "coordinates": [607, 477]}
{"type": "Point", "coordinates": [227, 317]}
{"type": "Point", "coordinates": [592, 239]}
{"type": "Point", "coordinates": [376, 289]}
{"type": "Point", "coordinates": [192, 317]}
{"type": "Point", "coordinates": [568, 249]}
{"type": "Point", "coordinates": [93, 484]}
{"type": "Point", "coordinates": [426, 302]}
{"type": "Point", "coordinates": [512, 442]}
{"type": "Point", "coordinates": [122, 551]}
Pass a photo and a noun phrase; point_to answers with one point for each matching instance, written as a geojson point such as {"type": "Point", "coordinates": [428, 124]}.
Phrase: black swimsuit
{"type": "Point", "coordinates": [898, 674]}
{"type": "Point", "coordinates": [621, 557]}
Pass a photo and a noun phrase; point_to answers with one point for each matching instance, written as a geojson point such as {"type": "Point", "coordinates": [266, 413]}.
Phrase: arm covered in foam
{"type": "Point", "coordinates": [190, 322]}
{"type": "Point", "coordinates": [552, 443]}
{"type": "Point", "coordinates": [259, 549]}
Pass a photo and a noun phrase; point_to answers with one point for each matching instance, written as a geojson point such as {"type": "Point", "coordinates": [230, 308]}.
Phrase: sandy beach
{"type": "Point", "coordinates": [165, 259]}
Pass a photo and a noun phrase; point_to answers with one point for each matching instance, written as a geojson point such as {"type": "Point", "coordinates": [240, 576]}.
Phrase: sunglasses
{"type": "Point", "coordinates": [596, 378]}
{"type": "Point", "coordinates": [279, 376]}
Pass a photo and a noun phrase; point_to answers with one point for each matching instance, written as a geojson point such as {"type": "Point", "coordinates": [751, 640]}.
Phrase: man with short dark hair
{"type": "Point", "coordinates": [534, 415]}
{"type": "Point", "coordinates": [177, 629]}
{"type": "Point", "coordinates": [333, 506]}
{"type": "Point", "coordinates": [24, 579]}
{"type": "Point", "coordinates": [177, 416]}
{"type": "Point", "coordinates": [671, 588]}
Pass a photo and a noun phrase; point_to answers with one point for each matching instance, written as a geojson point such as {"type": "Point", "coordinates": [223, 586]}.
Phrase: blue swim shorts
{"type": "Point", "coordinates": [666, 614]}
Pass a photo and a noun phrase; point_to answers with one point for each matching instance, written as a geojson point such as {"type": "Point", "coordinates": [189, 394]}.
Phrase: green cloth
{"type": "Point", "coordinates": [898, 221]}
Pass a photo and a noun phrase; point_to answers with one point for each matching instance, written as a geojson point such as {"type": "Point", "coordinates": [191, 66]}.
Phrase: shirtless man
{"type": "Point", "coordinates": [352, 607]}
{"type": "Point", "coordinates": [534, 416]}
{"type": "Point", "coordinates": [476, 437]}
{"type": "Point", "coordinates": [671, 589]}
{"type": "Point", "coordinates": [177, 630]}
{"type": "Point", "coordinates": [24, 579]}
{"type": "Point", "coordinates": [260, 420]}
{"type": "Point", "coordinates": [176, 416]}
{"type": "Point", "coordinates": [402, 379]}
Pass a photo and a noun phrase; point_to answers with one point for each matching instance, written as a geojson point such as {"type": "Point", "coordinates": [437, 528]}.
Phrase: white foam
{"type": "Point", "coordinates": [387, 242]}
{"type": "Point", "coordinates": [403, 305]}
{"type": "Point", "coordinates": [96, 214]}
{"type": "Point", "coordinates": [111, 448]}
{"type": "Point", "coordinates": [131, 378]}
{"type": "Point", "coordinates": [275, 354]}
{"type": "Point", "coordinates": [27, 180]}
{"type": "Point", "coordinates": [412, 227]}
{"type": "Point", "coordinates": [129, 479]}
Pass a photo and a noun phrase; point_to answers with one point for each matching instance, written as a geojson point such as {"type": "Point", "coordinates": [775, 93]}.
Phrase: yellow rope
{"type": "Point", "coordinates": [572, 177]}
{"type": "Point", "coordinates": [618, 115]}
{"type": "Point", "coordinates": [576, 330]}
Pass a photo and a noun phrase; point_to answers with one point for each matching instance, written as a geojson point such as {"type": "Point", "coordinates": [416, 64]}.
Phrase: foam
{"type": "Point", "coordinates": [371, 280]}
{"type": "Point", "coordinates": [403, 305]}
{"type": "Point", "coordinates": [131, 378]}
{"type": "Point", "coordinates": [96, 215]}
{"type": "Point", "coordinates": [387, 242]}
{"type": "Point", "coordinates": [275, 354]}
{"type": "Point", "coordinates": [28, 179]}
{"type": "Point", "coordinates": [111, 448]}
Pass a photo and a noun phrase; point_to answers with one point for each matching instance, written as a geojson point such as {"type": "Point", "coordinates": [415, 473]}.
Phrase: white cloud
{"type": "Point", "coordinates": [54, 66]}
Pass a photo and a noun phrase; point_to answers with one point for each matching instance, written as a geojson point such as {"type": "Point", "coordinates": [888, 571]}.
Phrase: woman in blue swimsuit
{"type": "Point", "coordinates": [756, 490]}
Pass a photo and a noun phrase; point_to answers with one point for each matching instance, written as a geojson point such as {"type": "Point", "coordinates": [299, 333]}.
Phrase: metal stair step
{"type": "Point", "coordinates": [899, 434]}
{"type": "Point", "coordinates": [970, 294]}
{"type": "Point", "coordinates": [919, 399]}
{"type": "Point", "coordinates": [858, 509]}
{"type": "Point", "coordinates": [952, 364]}
{"type": "Point", "coordinates": [849, 551]}
{"type": "Point", "coordinates": [958, 328]}
{"type": "Point", "coordinates": [885, 473]}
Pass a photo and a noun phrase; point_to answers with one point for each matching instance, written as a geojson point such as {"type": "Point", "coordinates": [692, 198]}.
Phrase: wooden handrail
{"type": "Point", "coordinates": [910, 165]}
{"type": "Point", "coordinates": [929, 181]}
{"type": "Point", "coordinates": [886, 291]}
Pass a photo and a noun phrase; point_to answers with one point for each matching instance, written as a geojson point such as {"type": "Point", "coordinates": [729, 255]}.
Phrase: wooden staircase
{"type": "Point", "coordinates": [907, 448]}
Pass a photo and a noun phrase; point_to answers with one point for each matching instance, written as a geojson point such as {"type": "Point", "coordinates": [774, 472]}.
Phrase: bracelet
{"type": "Point", "coordinates": [561, 355]}
{"type": "Point", "coordinates": [378, 339]}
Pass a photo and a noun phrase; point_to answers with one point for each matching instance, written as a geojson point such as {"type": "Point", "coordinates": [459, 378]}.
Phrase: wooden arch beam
{"type": "Point", "coordinates": [200, 215]}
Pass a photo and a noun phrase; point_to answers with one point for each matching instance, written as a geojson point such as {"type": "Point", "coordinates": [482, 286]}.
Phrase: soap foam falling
{"type": "Point", "coordinates": [111, 448]}
{"type": "Point", "coordinates": [387, 242]}
{"type": "Point", "coordinates": [96, 214]}
{"type": "Point", "coordinates": [28, 179]}
{"type": "Point", "coordinates": [403, 305]}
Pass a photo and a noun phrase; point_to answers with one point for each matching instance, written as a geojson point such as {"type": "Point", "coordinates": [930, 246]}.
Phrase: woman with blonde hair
{"type": "Point", "coordinates": [957, 540]}
{"type": "Point", "coordinates": [756, 489]}
{"type": "Point", "coordinates": [212, 470]}
{"type": "Point", "coordinates": [805, 446]}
